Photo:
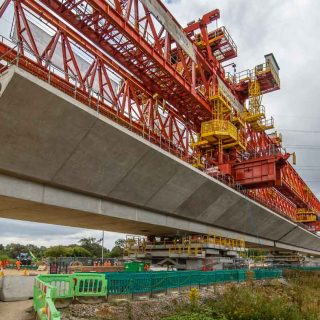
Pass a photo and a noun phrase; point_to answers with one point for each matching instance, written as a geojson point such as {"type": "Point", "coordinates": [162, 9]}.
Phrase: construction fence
{"type": "Point", "coordinates": [49, 287]}
{"type": "Point", "coordinates": [152, 282]}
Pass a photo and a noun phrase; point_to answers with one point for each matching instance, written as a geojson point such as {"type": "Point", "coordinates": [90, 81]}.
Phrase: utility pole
{"type": "Point", "coordinates": [102, 245]}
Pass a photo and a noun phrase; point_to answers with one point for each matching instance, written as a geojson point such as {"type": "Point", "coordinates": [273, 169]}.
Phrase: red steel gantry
{"type": "Point", "coordinates": [131, 61]}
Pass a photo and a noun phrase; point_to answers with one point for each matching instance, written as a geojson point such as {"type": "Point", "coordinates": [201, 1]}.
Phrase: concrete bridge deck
{"type": "Point", "coordinates": [63, 163]}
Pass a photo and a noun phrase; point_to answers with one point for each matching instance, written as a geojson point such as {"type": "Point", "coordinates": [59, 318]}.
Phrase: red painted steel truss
{"type": "Point", "coordinates": [107, 86]}
{"type": "Point", "coordinates": [115, 57]}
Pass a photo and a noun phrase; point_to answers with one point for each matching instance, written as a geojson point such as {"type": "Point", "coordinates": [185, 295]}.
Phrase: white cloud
{"type": "Point", "coordinates": [15, 231]}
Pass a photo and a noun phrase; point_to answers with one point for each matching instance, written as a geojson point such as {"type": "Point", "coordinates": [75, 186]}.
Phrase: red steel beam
{"type": "Point", "coordinates": [275, 171]}
{"type": "Point", "coordinates": [105, 24]}
{"type": "Point", "coordinates": [133, 104]}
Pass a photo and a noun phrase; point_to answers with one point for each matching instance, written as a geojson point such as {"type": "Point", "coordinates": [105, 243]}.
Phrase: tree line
{"type": "Point", "coordinates": [86, 247]}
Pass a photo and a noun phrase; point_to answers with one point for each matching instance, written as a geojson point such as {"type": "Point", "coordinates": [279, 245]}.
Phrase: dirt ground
{"type": "Point", "coordinates": [15, 272]}
{"type": "Point", "coordinates": [18, 310]}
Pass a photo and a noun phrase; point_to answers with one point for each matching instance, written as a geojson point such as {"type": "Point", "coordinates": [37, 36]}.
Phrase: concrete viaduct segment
{"type": "Point", "coordinates": [63, 163]}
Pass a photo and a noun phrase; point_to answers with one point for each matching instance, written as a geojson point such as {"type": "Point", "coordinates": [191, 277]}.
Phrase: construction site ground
{"type": "Point", "coordinates": [18, 310]}
{"type": "Point", "coordinates": [15, 272]}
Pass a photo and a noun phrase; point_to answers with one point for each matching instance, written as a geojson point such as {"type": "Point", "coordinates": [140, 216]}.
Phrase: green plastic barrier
{"type": "Point", "coordinates": [43, 300]}
{"type": "Point", "coordinates": [49, 287]}
{"type": "Point", "coordinates": [64, 284]}
{"type": "Point", "coordinates": [90, 284]}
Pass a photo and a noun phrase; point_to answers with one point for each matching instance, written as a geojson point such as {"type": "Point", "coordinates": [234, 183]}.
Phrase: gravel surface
{"type": "Point", "coordinates": [152, 309]}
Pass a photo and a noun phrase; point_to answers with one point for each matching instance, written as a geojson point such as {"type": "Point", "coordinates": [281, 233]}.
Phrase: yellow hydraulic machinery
{"type": "Point", "coordinates": [305, 215]}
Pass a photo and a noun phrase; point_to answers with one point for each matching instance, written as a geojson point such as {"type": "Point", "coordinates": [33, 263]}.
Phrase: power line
{"type": "Point", "coordinates": [302, 146]}
{"type": "Point", "coordinates": [308, 166]}
{"type": "Point", "coordinates": [300, 131]}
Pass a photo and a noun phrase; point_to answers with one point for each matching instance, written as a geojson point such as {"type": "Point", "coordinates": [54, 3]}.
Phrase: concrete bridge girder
{"type": "Point", "coordinates": [57, 143]}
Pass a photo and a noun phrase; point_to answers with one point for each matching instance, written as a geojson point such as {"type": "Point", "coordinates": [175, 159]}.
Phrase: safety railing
{"type": "Point", "coordinates": [64, 284]}
{"type": "Point", "coordinates": [266, 67]}
{"type": "Point", "coordinates": [49, 287]}
{"type": "Point", "coordinates": [151, 282]}
{"type": "Point", "coordinates": [90, 285]}
{"type": "Point", "coordinates": [266, 124]}
{"type": "Point", "coordinates": [218, 128]}
{"type": "Point", "coordinates": [43, 300]}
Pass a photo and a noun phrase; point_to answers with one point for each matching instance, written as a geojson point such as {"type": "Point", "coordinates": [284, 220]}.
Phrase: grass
{"type": "Point", "coordinates": [297, 300]}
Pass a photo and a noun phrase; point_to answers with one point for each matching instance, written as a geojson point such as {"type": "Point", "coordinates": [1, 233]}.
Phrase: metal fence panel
{"type": "Point", "coordinates": [90, 284]}
{"type": "Point", "coordinates": [64, 284]}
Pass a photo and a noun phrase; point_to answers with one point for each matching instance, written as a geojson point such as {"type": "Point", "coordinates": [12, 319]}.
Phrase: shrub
{"type": "Point", "coordinates": [255, 304]}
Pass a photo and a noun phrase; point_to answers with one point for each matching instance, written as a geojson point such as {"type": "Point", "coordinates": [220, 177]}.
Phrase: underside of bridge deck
{"type": "Point", "coordinates": [63, 163]}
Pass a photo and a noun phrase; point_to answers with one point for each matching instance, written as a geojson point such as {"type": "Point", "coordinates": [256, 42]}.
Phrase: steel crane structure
{"type": "Point", "coordinates": [131, 61]}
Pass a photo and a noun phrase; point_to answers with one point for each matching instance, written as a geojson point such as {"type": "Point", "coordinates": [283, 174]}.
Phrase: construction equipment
{"type": "Point", "coordinates": [195, 251]}
{"type": "Point", "coordinates": [166, 83]}
{"type": "Point", "coordinates": [25, 258]}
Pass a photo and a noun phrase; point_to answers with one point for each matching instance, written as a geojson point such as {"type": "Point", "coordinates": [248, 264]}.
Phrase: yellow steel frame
{"type": "Point", "coordinates": [305, 215]}
{"type": "Point", "coordinates": [221, 103]}
{"type": "Point", "coordinates": [238, 121]}
{"type": "Point", "coordinates": [310, 217]}
{"type": "Point", "coordinates": [218, 131]}
{"type": "Point", "coordinates": [192, 245]}
{"type": "Point", "coordinates": [212, 129]}
{"type": "Point", "coordinates": [263, 125]}
{"type": "Point", "coordinates": [255, 114]}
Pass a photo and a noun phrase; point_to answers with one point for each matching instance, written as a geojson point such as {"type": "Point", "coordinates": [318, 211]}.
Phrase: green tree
{"type": "Point", "coordinates": [59, 251]}
{"type": "Point", "coordinates": [92, 245]}
{"type": "Point", "coordinates": [36, 251]}
{"type": "Point", "coordinates": [3, 255]}
{"type": "Point", "coordinates": [120, 243]}
{"type": "Point", "coordinates": [14, 249]}
{"type": "Point", "coordinates": [80, 252]}
{"type": "Point", "coordinates": [117, 250]}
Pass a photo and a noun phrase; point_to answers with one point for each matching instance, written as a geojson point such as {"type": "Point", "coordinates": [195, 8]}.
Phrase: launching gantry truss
{"type": "Point", "coordinates": [131, 61]}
